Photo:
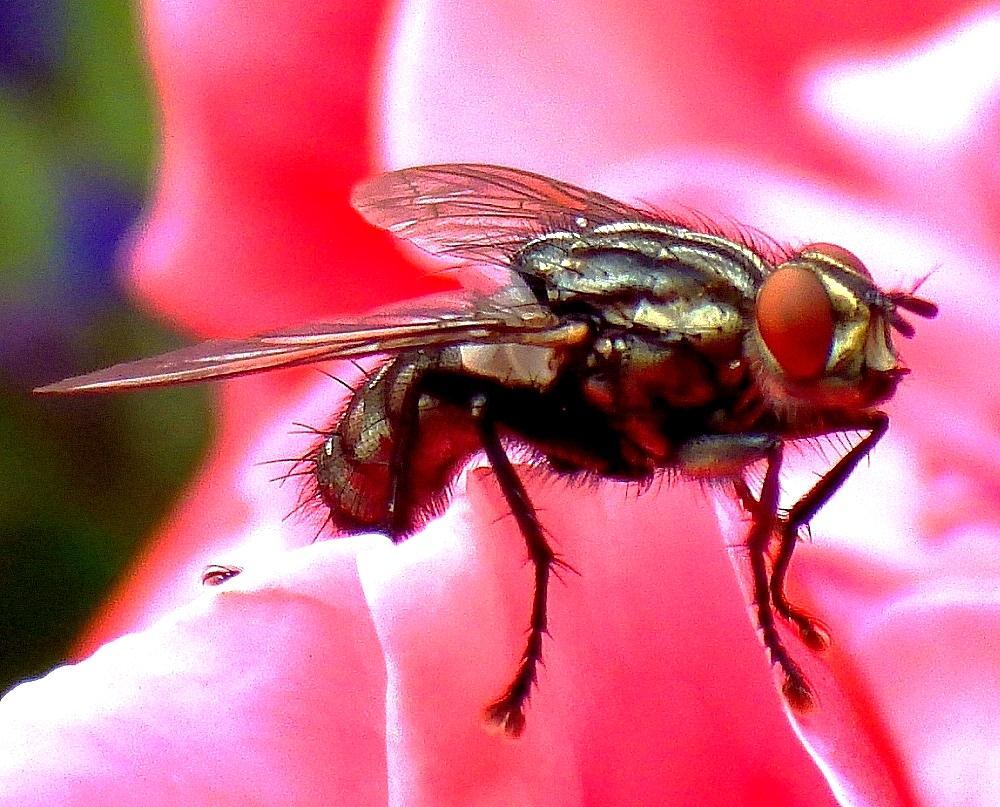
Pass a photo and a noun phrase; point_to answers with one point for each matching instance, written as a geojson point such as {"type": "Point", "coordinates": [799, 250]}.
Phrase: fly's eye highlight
{"type": "Point", "coordinates": [795, 320]}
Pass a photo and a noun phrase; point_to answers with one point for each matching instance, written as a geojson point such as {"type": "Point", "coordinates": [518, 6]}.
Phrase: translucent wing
{"type": "Point", "coordinates": [481, 213]}
{"type": "Point", "coordinates": [488, 322]}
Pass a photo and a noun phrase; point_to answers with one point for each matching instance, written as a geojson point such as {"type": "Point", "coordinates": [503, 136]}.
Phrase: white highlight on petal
{"type": "Point", "coordinates": [926, 96]}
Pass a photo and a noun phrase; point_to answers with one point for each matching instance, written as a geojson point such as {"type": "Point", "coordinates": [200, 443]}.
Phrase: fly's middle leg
{"type": "Point", "coordinates": [507, 711]}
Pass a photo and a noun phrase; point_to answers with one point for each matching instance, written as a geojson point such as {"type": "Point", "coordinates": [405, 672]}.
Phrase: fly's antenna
{"type": "Point", "coordinates": [908, 302]}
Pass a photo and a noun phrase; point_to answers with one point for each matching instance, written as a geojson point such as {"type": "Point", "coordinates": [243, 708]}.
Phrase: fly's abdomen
{"type": "Point", "coordinates": [387, 464]}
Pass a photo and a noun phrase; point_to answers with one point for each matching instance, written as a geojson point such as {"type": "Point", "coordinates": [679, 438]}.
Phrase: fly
{"type": "Point", "coordinates": [626, 344]}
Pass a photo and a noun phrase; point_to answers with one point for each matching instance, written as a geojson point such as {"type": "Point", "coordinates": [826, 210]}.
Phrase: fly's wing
{"type": "Point", "coordinates": [487, 322]}
{"type": "Point", "coordinates": [481, 213]}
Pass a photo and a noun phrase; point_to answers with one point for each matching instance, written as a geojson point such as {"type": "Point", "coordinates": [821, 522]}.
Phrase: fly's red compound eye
{"type": "Point", "coordinates": [795, 319]}
{"type": "Point", "coordinates": [838, 254]}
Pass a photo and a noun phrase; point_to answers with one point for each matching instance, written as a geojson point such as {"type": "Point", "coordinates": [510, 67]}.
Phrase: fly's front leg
{"type": "Point", "coordinates": [715, 456]}
{"type": "Point", "coordinates": [507, 711]}
{"type": "Point", "coordinates": [765, 519]}
{"type": "Point", "coordinates": [811, 631]}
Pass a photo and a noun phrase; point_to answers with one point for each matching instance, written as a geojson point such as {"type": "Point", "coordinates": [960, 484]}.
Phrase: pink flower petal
{"type": "Point", "coordinates": [249, 695]}
{"type": "Point", "coordinates": [569, 87]}
{"type": "Point", "coordinates": [652, 671]}
{"type": "Point", "coordinates": [655, 683]}
{"type": "Point", "coordinates": [917, 638]}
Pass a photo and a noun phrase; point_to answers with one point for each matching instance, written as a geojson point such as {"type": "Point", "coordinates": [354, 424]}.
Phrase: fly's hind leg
{"type": "Point", "coordinates": [507, 711]}
{"type": "Point", "coordinates": [405, 429]}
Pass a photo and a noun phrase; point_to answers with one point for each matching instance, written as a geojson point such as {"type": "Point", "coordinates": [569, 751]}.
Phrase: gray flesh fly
{"type": "Point", "coordinates": [625, 345]}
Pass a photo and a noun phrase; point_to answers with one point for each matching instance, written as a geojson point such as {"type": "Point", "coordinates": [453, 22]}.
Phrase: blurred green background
{"type": "Point", "coordinates": [83, 481]}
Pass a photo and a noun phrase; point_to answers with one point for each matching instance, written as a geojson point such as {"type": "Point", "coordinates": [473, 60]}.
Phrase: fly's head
{"type": "Point", "coordinates": [822, 332]}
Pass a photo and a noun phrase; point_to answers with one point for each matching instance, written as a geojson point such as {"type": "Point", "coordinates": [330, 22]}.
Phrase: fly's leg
{"type": "Point", "coordinates": [812, 632]}
{"type": "Point", "coordinates": [764, 510]}
{"type": "Point", "coordinates": [507, 711]}
{"type": "Point", "coordinates": [405, 429]}
{"type": "Point", "coordinates": [726, 455]}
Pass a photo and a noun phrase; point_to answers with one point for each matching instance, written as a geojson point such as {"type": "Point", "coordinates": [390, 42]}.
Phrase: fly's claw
{"type": "Point", "coordinates": [506, 715]}
{"type": "Point", "coordinates": [797, 691]}
{"type": "Point", "coordinates": [813, 633]}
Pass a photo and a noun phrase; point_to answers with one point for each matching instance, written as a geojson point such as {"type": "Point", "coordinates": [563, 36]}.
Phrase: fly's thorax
{"type": "Point", "coordinates": [628, 373]}
{"type": "Point", "coordinates": [662, 281]}
{"type": "Point", "coordinates": [821, 333]}
{"type": "Point", "coordinates": [635, 260]}
{"type": "Point", "coordinates": [657, 394]}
